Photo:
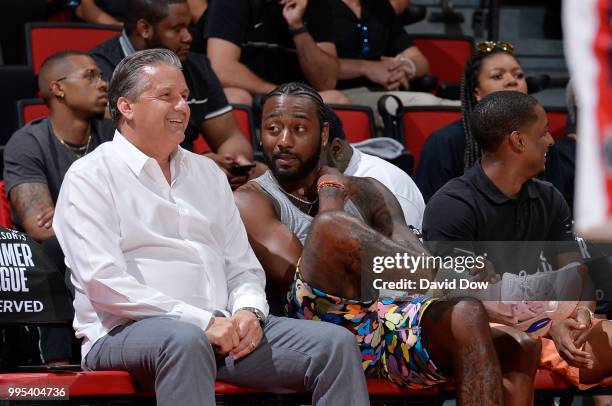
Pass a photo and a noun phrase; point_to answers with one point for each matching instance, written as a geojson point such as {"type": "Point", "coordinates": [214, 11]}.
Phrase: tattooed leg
{"type": "Point", "coordinates": [519, 357]}
{"type": "Point", "coordinates": [457, 336]}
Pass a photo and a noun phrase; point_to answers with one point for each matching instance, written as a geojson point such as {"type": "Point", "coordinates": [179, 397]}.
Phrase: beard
{"type": "Point", "coordinates": [291, 175]}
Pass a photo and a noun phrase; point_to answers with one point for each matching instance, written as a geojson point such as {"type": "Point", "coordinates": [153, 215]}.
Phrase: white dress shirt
{"type": "Point", "coordinates": [397, 181]}
{"type": "Point", "coordinates": [139, 247]}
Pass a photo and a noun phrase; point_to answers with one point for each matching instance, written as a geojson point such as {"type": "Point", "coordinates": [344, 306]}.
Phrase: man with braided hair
{"type": "Point", "coordinates": [315, 229]}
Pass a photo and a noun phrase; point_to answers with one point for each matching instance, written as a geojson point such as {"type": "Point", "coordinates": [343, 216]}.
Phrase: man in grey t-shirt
{"type": "Point", "coordinates": [38, 155]}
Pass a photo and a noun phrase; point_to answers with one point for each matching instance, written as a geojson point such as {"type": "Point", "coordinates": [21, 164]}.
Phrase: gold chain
{"type": "Point", "coordinates": [72, 149]}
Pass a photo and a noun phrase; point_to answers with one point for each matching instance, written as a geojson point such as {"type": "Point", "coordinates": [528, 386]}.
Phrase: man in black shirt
{"type": "Point", "coordinates": [164, 24]}
{"type": "Point", "coordinates": [376, 55]}
{"type": "Point", "coordinates": [499, 199]}
{"type": "Point", "coordinates": [254, 45]}
{"type": "Point", "coordinates": [38, 155]}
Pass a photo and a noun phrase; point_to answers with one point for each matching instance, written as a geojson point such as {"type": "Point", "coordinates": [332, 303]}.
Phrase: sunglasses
{"type": "Point", "coordinates": [489, 46]}
{"type": "Point", "coordinates": [365, 41]}
{"type": "Point", "coordinates": [92, 75]}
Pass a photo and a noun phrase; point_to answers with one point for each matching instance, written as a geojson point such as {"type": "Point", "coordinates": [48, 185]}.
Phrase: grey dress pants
{"type": "Point", "coordinates": [175, 360]}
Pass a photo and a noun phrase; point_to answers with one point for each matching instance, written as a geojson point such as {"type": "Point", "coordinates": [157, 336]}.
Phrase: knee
{"type": "Point", "coordinates": [468, 314]}
{"type": "Point", "coordinates": [235, 95]}
{"type": "Point", "coordinates": [338, 343]}
{"type": "Point", "coordinates": [329, 222]}
{"type": "Point", "coordinates": [183, 338]}
{"type": "Point", "coordinates": [530, 348]}
{"type": "Point", "coordinates": [334, 97]}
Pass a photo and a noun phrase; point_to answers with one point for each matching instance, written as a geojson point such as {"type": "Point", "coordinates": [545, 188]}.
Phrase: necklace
{"type": "Point", "coordinates": [78, 151]}
{"type": "Point", "coordinates": [310, 205]}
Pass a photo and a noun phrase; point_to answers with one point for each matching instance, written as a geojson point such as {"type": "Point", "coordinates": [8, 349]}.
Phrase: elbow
{"type": "Point", "coordinates": [327, 82]}
{"type": "Point", "coordinates": [222, 69]}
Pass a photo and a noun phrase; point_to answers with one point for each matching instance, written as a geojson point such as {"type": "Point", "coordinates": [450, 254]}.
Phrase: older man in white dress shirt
{"type": "Point", "coordinates": [167, 286]}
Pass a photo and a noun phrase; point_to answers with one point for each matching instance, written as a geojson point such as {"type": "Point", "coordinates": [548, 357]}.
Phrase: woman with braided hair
{"type": "Point", "coordinates": [452, 149]}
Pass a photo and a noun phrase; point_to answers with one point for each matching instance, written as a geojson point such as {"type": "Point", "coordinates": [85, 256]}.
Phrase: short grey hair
{"type": "Point", "coordinates": [128, 80]}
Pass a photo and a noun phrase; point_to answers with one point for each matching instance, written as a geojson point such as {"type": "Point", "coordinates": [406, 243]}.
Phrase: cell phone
{"type": "Point", "coordinates": [240, 170]}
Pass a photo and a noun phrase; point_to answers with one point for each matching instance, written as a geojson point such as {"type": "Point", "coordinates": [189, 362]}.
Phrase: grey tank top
{"type": "Point", "coordinates": [297, 221]}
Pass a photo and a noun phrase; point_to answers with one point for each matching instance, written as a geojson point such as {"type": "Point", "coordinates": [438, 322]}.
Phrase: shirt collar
{"type": "Point", "coordinates": [492, 192]}
{"type": "Point", "coordinates": [126, 44]}
{"type": "Point", "coordinates": [136, 159]}
{"type": "Point", "coordinates": [353, 164]}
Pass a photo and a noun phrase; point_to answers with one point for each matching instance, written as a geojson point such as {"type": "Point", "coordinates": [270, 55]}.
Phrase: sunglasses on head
{"type": "Point", "coordinates": [489, 46]}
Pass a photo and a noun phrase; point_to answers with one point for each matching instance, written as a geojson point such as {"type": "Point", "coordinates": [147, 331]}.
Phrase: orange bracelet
{"type": "Point", "coordinates": [331, 183]}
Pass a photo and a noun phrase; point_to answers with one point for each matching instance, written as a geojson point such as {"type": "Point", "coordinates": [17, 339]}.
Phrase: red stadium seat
{"type": "Point", "coordinates": [31, 109]}
{"type": "Point", "coordinates": [5, 208]}
{"type": "Point", "coordinates": [420, 122]}
{"type": "Point", "coordinates": [446, 54]}
{"type": "Point", "coordinates": [244, 116]}
{"type": "Point", "coordinates": [117, 383]}
{"type": "Point", "coordinates": [45, 39]}
{"type": "Point", "coordinates": [557, 121]}
{"type": "Point", "coordinates": [357, 121]}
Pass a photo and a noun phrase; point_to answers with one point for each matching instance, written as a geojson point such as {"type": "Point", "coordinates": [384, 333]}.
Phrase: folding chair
{"type": "Point", "coordinates": [47, 38]}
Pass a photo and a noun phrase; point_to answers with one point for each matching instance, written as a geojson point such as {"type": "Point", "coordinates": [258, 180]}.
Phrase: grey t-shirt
{"type": "Point", "coordinates": [33, 154]}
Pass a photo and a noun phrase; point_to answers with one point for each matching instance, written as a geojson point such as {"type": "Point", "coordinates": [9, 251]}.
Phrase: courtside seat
{"type": "Point", "coordinates": [357, 121]}
{"type": "Point", "coordinates": [90, 383]}
{"type": "Point", "coordinates": [244, 117]}
{"type": "Point", "coordinates": [446, 54]}
{"type": "Point", "coordinates": [93, 384]}
{"type": "Point", "coordinates": [557, 121]}
{"type": "Point", "coordinates": [47, 38]}
{"type": "Point", "coordinates": [420, 122]}
{"type": "Point", "coordinates": [30, 110]}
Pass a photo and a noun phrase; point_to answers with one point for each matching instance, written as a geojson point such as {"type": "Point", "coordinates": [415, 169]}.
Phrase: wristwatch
{"type": "Point", "coordinates": [299, 30]}
{"type": "Point", "coordinates": [258, 313]}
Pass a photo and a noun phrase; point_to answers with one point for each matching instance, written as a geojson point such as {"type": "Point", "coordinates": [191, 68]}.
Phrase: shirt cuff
{"type": "Point", "coordinates": [195, 315]}
{"type": "Point", "coordinates": [257, 302]}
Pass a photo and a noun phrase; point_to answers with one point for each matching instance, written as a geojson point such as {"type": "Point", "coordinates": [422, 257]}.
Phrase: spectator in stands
{"type": "Point", "coordinates": [133, 213]}
{"type": "Point", "coordinates": [38, 155]}
{"type": "Point", "coordinates": [376, 55]}
{"type": "Point", "coordinates": [499, 199]}
{"type": "Point", "coordinates": [315, 231]}
{"type": "Point", "coordinates": [164, 24]}
{"type": "Point", "coordinates": [101, 11]}
{"type": "Point", "coordinates": [452, 149]}
{"type": "Point", "coordinates": [255, 45]}
{"type": "Point", "coordinates": [114, 12]}
{"type": "Point", "coordinates": [350, 161]}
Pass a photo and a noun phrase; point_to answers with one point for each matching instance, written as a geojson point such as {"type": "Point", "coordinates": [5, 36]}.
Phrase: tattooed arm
{"type": "Point", "coordinates": [380, 208]}
{"type": "Point", "coordinates": [34, 208]}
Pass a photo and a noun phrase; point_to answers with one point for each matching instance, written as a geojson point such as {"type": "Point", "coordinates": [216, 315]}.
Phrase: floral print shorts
{"type": "Point", "coordinates": [388, 331]}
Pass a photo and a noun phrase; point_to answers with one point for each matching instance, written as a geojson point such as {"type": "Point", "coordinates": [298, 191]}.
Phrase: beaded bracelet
{"type": "Point", "coordinates": [330, 183]}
